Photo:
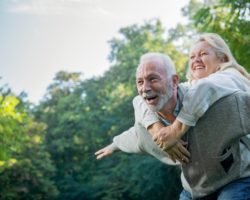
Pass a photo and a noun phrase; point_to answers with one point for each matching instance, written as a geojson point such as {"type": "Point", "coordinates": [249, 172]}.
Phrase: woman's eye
{"type": "Point", "coordinates": [191, 57]}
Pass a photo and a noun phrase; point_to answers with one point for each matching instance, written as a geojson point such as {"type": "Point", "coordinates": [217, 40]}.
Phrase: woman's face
{"type": "Point", "coordinates": [202, 60]}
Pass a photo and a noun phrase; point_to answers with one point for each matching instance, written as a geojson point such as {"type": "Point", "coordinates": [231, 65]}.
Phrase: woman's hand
{"type": "Point", "coordinates": [168, 136]}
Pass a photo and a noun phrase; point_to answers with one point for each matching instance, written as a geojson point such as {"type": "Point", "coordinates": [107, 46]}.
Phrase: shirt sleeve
{"type": "Point", "coordinates": [206, 92]}
{"type": "Point", "coordinates": [143, 114]}
{"type": "Point", "coordinates": [127, 141]}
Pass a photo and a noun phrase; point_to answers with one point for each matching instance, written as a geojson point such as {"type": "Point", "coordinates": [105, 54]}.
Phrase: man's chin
{"type": "Point", "coordinates": [153, 108]}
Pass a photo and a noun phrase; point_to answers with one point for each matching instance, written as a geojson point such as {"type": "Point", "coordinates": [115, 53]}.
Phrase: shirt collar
{"type": "Point", "coordinates": [176, 109]}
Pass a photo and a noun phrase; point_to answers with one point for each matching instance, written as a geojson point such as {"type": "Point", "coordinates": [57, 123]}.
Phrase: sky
{"type": "Point", "coordinates": [38, 38]}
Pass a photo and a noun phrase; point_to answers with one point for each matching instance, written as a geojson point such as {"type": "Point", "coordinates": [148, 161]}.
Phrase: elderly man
{"type": "Point", "coordinates": [167, 72]}
{"type": "Point", "coordinates": [156, 75]}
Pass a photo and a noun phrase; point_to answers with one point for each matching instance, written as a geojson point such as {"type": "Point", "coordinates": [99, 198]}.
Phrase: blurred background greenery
{"type": "Point", "coordinates": [47, 150]}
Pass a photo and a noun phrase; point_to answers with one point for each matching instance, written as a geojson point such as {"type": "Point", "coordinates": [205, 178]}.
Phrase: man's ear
{"type": "Point", "coordinates": [175, 79]}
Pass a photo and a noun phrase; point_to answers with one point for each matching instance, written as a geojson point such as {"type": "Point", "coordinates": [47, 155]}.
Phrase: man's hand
{"type": "Point", "coordinates": [179, 152]}
{"type": "Point", "coordinates": [106, 151]}
{"type": "Point", "coordinates": [168, 136]}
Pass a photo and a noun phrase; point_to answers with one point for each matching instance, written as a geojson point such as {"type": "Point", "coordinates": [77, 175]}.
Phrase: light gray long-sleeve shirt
{"type": "Point", "coordinates": [138, 140]}
{"type": "Point", "coordinates": [220, 129]}
{"type": "Point", "coordinates": [207, 91]}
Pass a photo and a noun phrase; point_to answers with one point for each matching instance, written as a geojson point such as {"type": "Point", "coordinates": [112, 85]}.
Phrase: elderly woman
{"type": "Point", "coordinates": [213, 74]}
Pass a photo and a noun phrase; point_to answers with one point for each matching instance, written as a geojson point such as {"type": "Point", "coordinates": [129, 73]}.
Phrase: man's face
{"type": "Point", "coordinates": [153, 85]}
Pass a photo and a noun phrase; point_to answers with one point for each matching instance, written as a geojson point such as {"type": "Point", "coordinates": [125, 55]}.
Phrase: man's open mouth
{"type": "Point", "coordinates": [149, 98]}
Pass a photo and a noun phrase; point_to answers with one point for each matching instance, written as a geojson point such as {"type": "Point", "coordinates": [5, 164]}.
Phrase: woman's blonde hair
{"type": "Point", "coordinates": [222, 51]}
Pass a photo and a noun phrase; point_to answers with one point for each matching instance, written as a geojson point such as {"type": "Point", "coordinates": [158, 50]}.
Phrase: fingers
{"type": "Point", "coordinates": [100, 156]}
{"type": "Point", "coordinates": [165, 142]}
{"type": "Point", "coordinates": [182, 159]}
{"type": "Point", "coordinates": [183, 150]}
{"type": "Point", "coordinates": [102, 153]}
{"type": "Point", "coordinates": [183, 153]}
{"type": "Point", "coordinates": [180, 153]}
{"type": "Point", "coordinates": [98, 152]}
{"type": "Point", "coordinates": [155, 138]}
{"type": "Point", "coordinates": [172, 157]}
{"type": "Point", "coordinates": [184, 143]}
{"type": "Point", "coordinates": [158, 140]}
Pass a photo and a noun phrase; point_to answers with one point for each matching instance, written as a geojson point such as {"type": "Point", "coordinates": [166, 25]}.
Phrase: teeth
{"type": "Point", "coordinates": [148, 96]}
{"type": "Point", "coordinates": [199, 67]}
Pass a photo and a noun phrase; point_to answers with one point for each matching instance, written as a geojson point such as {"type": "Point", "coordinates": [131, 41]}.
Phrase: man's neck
{"type": "Point", "coordinates": [168, 111]}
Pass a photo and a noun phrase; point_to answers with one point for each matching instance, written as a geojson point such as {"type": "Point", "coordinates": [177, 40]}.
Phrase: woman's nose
{"type": "Point", "coordinates": [197, 59]}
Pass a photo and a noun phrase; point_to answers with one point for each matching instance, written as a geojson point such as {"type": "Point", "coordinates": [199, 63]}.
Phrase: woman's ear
{"type": "Point", "coordinates": [224, 59]}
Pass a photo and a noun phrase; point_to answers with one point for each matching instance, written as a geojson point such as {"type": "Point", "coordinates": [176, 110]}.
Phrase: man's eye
{"type": "Point", "coordinates": [153, 79]}
{"type": "Point", "coordinates": [191, 57]}
{"type": "Point", "coordinates": [139, 82]}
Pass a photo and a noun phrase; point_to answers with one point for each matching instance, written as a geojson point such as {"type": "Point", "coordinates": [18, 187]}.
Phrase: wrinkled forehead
{"type": "Point", "coordinates": [199, 46]}
{"type": "Point", "coordinates": [150, 67]}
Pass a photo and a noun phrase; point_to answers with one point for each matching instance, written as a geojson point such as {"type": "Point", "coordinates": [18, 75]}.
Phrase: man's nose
{"type": "Point", "coordinates": [146, 86]}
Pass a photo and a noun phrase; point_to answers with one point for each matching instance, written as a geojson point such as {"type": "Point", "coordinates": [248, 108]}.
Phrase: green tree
{"type": "Point", "coordinates": [136, 40]}
{"type": "Point", "coordinates": [118, 92]}
{"type": "Point", "coordinates": [68, 130]}
{"type": "Point", "coordinates": [12, 133]}
{"type": "Point", "coordinates": [24, 163]}
{"type": "Point", "coordinates": [83, 115]}
{"type": "Point", "coordinates": [30, 176]}
{"type": "Point", "coordinates": [228, 18]}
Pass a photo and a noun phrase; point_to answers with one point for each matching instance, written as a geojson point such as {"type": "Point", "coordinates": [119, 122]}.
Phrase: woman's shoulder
{"type": "Point", "coordinates": [184, 86]}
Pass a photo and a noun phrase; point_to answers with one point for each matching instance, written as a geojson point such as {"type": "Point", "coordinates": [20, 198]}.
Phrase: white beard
{"type": "Point", "coordinates": [164, 98]}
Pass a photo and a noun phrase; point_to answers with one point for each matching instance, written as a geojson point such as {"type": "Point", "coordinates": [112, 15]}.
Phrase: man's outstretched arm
{"type": "Point", "coordinates": [127, 142]}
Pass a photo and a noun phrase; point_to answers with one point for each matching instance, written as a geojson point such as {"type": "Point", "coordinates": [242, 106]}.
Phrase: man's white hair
{"type": "Point", "coordinates": [163, 58]}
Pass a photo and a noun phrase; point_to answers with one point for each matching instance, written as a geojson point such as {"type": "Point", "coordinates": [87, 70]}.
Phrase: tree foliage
{"type": "Point", "coordinates": [47, 152]}
{"type": "Point", "coordinates": [24, 163]}
{"type": "Point", "coordinates": [228, 18]}
{"type": "Point", "coordinates": [83, 115]}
